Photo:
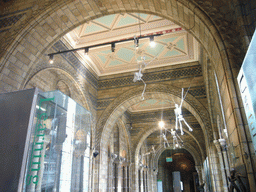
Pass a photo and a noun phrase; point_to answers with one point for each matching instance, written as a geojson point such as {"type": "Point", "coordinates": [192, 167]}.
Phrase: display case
{"type": "Point", "coordinates": [55, 148]}
{"type": "Point", "coordinates": [247, 84]}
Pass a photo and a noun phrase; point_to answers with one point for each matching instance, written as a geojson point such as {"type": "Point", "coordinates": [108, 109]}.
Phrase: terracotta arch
{"type": "Point", "coordinates": [121, 124]}
{"type": "Point", "coordinates": [186, 14]}
{"type": "Point", "coordinates": [195, 21]}
{"type": "Point", "coordinates": [86, 101]}
{"type": "Point", "coordinates": [157, 91]}
{"type": "Point", "coordinates": [196, 156]}
{"type": "Point", "coordinates": [138, 144]}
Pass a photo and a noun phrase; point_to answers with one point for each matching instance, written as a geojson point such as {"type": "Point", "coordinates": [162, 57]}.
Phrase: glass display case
{"type": "Point", "coordinates": [59, 146]}
{"type": "Point", "coordinates": [247, 85]}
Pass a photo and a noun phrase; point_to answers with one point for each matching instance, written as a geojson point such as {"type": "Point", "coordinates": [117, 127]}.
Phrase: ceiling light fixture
{"type": "Point", "coordinates": [113, 47]}
{"type": "Point", "coordinates": [161, 124]}
{"type": "Point", "coordinates": [136, 42]}
{"type": "Point", "coordinates": [113, 43]}
{"type": "Point", "coordinates": [152, 42]}
{"type": "Point", "coordinates": [86, 51]}
{"type": "Point", "coordinates": [51, 59]}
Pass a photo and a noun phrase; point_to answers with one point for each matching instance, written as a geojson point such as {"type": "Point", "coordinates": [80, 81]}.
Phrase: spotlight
{"type": "Point", "coordinates": [95, 153]}
{"type": "Point", "coordinates": [86, 50]}
{"type": "Point", "coordinates": [136, 42]}
{"type": "Point", "coordinates": [152, 42]}
{"type": "Point", "coordinates": [113, 47]}
{"type": "Point", "coordinates": [51, 59]}
{"type": "Point", "coordinates": [161, 124]}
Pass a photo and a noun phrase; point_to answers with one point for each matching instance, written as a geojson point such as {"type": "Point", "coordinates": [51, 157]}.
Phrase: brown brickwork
{"type": "Point", "coordinates": [31, 29]}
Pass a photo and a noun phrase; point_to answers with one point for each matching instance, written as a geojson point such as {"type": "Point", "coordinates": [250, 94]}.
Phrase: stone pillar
{"type": "Point", "coordinates": [110, 176]}
{"type": "Point", "coordinates": [126, 179]}
{"type": "Point", "coordinates": [215, 164]}
{"type": "Point", "coordinates": [140, 180]}
{"type": "Point", "coordinates": [225, 156]}
{"type": "Point", "coordinates": [154, 180]}
{"type": "Point", "coordinates": [200, 175]}
{"type": "Point", "coordinates": [222, 165]}
{"type": "Point", "coordinates": [132, 177]}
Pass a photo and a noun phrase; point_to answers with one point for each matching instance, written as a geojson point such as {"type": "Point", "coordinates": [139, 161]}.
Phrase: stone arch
{"type": "Point", "coordinates": [63, 87]}
{"type": "Point", "coordinates": [120, 123]}
{"type": "Point", "coordinates": [36, 40]}
{"type": "Point", "coordinates": [148, 132]}
{"type": "Point", "coordinates": [190, 149]}
{"type": "Point", "coordinates": [157, 91]}
{"type": "Point", "coordinates": [85, 99]}
{"type": "Point", "coordinates": [186, 14]}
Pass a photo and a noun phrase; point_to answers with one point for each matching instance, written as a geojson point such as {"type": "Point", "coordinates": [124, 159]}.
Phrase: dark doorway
{"type": "Point", "coordinates": [178, 160]}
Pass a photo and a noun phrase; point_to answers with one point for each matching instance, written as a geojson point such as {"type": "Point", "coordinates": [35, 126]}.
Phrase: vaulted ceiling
{"type": "Point", "coordinates": [174, 46]}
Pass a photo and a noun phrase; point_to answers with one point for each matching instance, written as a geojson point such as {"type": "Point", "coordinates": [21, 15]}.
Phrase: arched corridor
{"type": "Point", "coordinates": [97, 48]}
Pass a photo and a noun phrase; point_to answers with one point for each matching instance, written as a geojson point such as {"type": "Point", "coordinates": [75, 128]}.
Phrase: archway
{"type": "Point", "coordinates": [176, 170]}
{"type": "Point", "coordinates": [133, 96]}
{"type": "Point", "coordinates": [47, 80]}
{"type": "Point", "coordinates": [197, 23]}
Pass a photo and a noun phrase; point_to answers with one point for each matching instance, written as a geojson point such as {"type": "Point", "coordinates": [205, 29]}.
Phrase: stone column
{"type": "Point", "coordinates": [111, 176]}
{"type": "Point", "coordinates": [222, 166]}
{"type": "Point", "coordinates": [154, 179]}
{"type": "Point", "coordinates": [225, 156]}
{"type": "Point", "coordinates": [200, 176]}
{"type": "Point", "coordinates": [125, 175]}
{"type": "Point", "coordinates": [132, 177]}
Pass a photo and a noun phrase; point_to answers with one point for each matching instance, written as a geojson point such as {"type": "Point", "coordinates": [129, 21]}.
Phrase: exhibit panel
{"type": "Point", "coordinates": [47, 136]}
{"type": "Point", "coordinates": [58, 158]}
{"type": "Point", "coordinates": [247, 84]}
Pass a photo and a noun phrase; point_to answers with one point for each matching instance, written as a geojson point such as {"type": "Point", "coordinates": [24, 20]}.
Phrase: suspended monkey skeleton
{"type": "Point", "coordinates": [177, 141]}
{"type": "Point", "coordinates": [138, 77]}
{"type": "Point", "coordinates": [142, 64]}
{"type": "Point", "coordinates": [179, 116]}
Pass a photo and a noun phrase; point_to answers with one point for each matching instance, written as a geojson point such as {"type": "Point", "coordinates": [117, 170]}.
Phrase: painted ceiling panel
{"type": "Point", "coordinates": [125, 54]}
{"type": "Point", "coordinates": [172, 53]}
{"type": "Point", "coordinates": [106, 51]}
{"type": "Point", "coordinates": [171, 47]}
{"type": "Point", "coordinates": [93, 28]}
{"type": "Point", "coordinates": [180, 44]}
{"type": "Point", "coordinates": [102, 58]}
{"type": "Point", "coordinates": [114, 63]}
{"type": "Point", "coordinates": [168, 40]}
{"type": "Point", "coordinates": [126, 20]}
{"type": "Point", "coordinates": [146, 58]}
{"type": "Point", "coordinates": [156, 50]}
{"type": "Point", "coordinates": [141, 15]}
{"type": "Point", "coordinates": [107, 20]}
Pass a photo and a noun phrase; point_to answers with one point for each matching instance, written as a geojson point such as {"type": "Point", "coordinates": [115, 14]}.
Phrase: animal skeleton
{"type": "Point", "coordinates": [138, 77]}
{"type": "Point", "coordinates": [179, 116]}
{"type": "Point", "coordinates": [176, 139]}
